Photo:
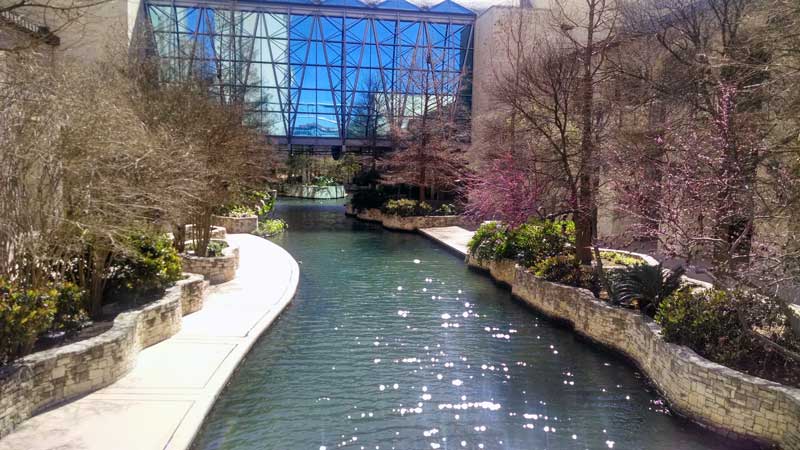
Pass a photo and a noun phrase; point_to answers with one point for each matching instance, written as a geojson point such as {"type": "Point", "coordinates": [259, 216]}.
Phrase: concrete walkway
{"type": "Point", "coordinates": [454, 238]}
{"type": "Point", "coordinates": [162, 403]}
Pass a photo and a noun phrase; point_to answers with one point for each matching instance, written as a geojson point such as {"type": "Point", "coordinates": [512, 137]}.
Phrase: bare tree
{"type": "Point", "coordinates": [84, 172]}
{"type": "Point", "coordinates": [430, 137]}
{"type": "Point", "coordinates": [229, 155]}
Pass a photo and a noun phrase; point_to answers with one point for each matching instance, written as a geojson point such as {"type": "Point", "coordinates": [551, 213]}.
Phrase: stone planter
{"type": "Point", "coordinates": [217, 269]}
{"type": "Point", "coordinates": [53, 376]}
{"type": "Point", "coordinates": [718, 397]}
{"type": "Point", "coordinates": [399, 223]}
{"type": "Point", "coordinates": [236, 225]}
{"type": "Point", "coordinates": [315, 192]}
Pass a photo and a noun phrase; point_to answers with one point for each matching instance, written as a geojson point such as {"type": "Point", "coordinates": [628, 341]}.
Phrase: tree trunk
{"type": "Point", "coordinates": [179, 237]}
{"type": "Point", "coordinates": [202, 232]}
{"type": "Point", "coordinates": [99, 260]}
{"type": "Point", "coordinates": [584, 223]}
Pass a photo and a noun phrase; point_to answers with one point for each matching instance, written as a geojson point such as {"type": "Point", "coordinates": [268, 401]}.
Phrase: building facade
{"type": "Point", "coordinates": [323, 75]}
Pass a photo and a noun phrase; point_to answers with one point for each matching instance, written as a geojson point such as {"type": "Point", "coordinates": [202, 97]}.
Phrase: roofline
{"type": "Point", "coordinates": [284, 6]}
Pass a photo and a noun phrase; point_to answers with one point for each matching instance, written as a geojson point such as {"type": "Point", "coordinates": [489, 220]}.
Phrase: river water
{"type": "Point", "coordinates": [393, 343]}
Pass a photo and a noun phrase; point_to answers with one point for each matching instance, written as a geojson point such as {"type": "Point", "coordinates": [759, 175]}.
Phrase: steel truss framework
{"type": "Point", "coordinates": [327, 73]}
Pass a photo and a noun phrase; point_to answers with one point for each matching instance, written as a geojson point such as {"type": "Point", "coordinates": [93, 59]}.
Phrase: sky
{"type": "Point", "coordinates": [476, 5]}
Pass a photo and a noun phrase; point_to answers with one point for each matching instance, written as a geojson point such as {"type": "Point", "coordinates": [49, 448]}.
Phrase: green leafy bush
{"type": "Point", "coordinates": [707, 321]}
{"type": "Point", "coordinates": [446, 209]}
{"type": "Point", "coordinates": [24, 315]}
{"type": "Point", "coordinates": [538, 240]}
{"type": "Point", "coordinates": [240, 211]}
{"type": "Point", "coordinates": [368, 199]}
{"type": "Point", "coordinates": [406, 208]}
{"type": "Point", "coordinates": [151, 265]}
{"type": "Point", "coordinates": [620, 259]}
{"type": "Point", "coordinates": [490, 242]}
{"type": "Point", "coordinates": [250, 203]}
{"type": "Point", "coordinates": [215, 248]}
{"type": "Point", "coordinates": [70, 315]}
{"type": "Point", "coordinates": [646, 286]}
{"type": "Point", "coordinates": [564, 269]}
{"type": "Point", "coordinates": [270, 227]}
{"type": "Point", "coordinates": [324, 180]}
{"type": "Point", "coordinates": [262, 202]}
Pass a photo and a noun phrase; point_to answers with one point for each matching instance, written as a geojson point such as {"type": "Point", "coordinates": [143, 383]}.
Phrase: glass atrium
{"type": "Point", "coordinates": [324, 73]}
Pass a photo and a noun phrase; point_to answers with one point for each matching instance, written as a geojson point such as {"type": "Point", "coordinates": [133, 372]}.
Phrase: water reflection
{"type": "Point", "coordinates": [391, 343]}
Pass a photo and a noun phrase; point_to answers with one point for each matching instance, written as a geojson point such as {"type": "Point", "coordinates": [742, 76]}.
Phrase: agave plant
{"type": "Point", "coordinates": [647, 286]}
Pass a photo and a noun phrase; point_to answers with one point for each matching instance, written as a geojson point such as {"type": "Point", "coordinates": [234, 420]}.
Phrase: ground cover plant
{"type": "Point", "coordinates": [270, 227]}
{"type": "Point", "coordinates": [406, 208]}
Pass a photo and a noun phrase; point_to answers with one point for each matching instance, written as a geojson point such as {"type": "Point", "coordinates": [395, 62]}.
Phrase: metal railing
{"type": "Point", "coordinates": [29, 27]}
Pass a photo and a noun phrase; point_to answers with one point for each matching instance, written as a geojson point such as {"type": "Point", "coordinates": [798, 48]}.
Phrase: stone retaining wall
{"type": "Point", "coordinates": [236, 224]}
{"type": "Point", "coordinates": [216, 270]}
{"type": "Point", "coordinates": [312, 191]}
{"type": "Point", "coordinates": [715, 396]}
{"type": "Point", "coordinates": [411, 223]}
{"type": "Point", "coordinates": [46, 378]}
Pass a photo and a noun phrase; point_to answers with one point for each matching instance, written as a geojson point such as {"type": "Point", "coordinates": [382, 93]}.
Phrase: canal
{"type": "Point", "coordinates": [392, 343]}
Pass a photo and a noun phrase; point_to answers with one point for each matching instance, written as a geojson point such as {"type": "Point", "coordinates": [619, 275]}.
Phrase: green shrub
{"type": "Point", "coordinates": [368, 199]}
{"type": "Point", "coordinates": [270, 227]}
{"type": "Point", "coordinates": [406, 208]}
{"type": "Point", "coordinates": [446, 209]}
{"type": "Point", "coordinates": [620, 259]}
{"type": "Point", "coordinates": [563, 269]}
{"type": "Point", "coordinates": [323, 181]}
{"type": "Point", "coordinates": [490, 242]}
{"type": "Point", "coordinates": [707, 321]}
{"type": "Point", "coordinates": [646, 286]}
{"type": "Point", "coordinates": [215, 248]}
{"type": "Point", "coordinates": [538, 240]}
{"type": "Point", "coordinates": [262, 202]}
{"type": "Point", "coordinates": [240, 211]}
{"type": "Point", "coordinates": [70, 315]}
{"type": "Point", "coordinates": [24, 315]}
{"type": "Point", "coordinates": [251, 203]}
{"type": "Point", "coordinates": [151, 265]}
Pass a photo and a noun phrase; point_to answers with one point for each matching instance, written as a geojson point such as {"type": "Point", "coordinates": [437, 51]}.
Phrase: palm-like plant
{"type": "Point", "coordinates": [647, 285]}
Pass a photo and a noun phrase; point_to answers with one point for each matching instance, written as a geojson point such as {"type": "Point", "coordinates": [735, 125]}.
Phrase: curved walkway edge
{"type": "Point", "coordinates": [163, 401]}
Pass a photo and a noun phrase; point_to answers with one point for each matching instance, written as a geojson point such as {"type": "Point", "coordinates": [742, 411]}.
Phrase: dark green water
{"type": "Point", "coordinates": [392, 343]}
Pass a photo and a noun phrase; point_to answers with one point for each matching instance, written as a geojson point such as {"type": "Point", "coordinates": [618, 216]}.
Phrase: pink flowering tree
{"type": "Point", "coordinates": [508, 189]}
{"type": "Point", "coordinates": [712, 192]}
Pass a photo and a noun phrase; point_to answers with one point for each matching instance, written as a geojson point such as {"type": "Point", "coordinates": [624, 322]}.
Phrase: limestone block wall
{"type": "Point", "coordinates": [411, 223]}
{"type": "Point", "coordinates": [236, 224]}
{"type": "Point", "coordinates": [311, 191]}
{"type": "Point", "coordinates": [46, 378]}
{"type": "Point", "coordinates": [715, 396]}
{"type": "Point", "coordinates": [216, 270]}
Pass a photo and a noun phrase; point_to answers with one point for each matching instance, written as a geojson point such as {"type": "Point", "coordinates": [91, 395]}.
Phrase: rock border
{"type": "Point", "coordinates": [235, 225]}
{"type": "Point", "coordinates": [217, 269]}
{"type": "Point", "coordinates": [44, 379]}
{"type": "Point", "coordinates": [399, 223]}
{"type": "Point", "coordinates": [717, 397]}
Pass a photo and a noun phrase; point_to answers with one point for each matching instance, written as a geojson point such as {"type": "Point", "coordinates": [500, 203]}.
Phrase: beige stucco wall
{"type": "Point", "coordinates": [89, 33]}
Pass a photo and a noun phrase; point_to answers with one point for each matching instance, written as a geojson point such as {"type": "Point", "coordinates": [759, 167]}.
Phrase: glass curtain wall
{"type": "Point", "coordinates": [321, 74]}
